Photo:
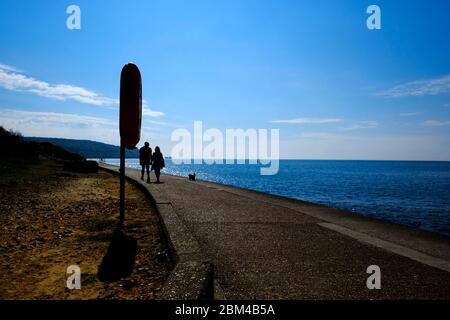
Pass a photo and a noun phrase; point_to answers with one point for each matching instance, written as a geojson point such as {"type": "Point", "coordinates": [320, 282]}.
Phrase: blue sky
{"type": "Point", "coordinates": [334, 88]}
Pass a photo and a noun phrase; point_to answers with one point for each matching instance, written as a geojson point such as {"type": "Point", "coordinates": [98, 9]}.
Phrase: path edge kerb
{"type": "Point", "coordinates": [192, 276]}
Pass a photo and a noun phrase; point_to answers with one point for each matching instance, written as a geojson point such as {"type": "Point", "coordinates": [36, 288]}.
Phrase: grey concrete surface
{"type": "Point", "coordinates": [269, 247]}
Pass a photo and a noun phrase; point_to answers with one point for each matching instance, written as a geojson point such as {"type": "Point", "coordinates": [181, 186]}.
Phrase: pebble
{"type": "Point", "coordinates": [128, 284]}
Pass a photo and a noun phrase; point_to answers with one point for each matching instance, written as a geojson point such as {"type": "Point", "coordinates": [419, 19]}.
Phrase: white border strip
{"type": "Point", "coordinates": [389, 246]}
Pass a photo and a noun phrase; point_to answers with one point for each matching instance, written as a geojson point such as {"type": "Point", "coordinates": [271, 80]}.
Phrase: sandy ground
{"type": "Point", "coordinates": [52, 219]}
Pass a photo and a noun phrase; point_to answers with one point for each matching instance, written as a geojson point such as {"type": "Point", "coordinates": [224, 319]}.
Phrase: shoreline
{"type": "Point", "coordinates": [367, 215]}
{"type": "Point", "coordinates": [340, 214]}
{"type": "Point", "coordinates": [234, 228]}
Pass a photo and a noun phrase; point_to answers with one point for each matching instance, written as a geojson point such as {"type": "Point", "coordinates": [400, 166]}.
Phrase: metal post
{"type": "Point", "coordinates": [122, 183]}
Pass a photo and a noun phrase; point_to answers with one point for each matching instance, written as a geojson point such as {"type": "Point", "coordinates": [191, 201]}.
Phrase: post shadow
{"type": "Point", "coordinates": [119, 259]}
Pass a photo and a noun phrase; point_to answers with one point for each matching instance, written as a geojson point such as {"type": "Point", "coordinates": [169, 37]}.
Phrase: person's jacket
{"type": "Point", "coordinates": [157, 160]}
{"type": "Point", "coordinates": [145, 155]}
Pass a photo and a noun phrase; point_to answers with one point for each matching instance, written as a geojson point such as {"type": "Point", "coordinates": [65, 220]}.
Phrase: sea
{"type": "Point", "coordinates": [411, 193]}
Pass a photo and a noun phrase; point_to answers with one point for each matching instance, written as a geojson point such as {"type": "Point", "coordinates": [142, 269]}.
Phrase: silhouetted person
{"type": "Point", "coordinates": [157, 163]}
{"type": "Point", "coordinates": [145, 158]}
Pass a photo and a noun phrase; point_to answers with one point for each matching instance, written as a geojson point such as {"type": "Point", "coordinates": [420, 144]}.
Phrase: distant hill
{"type": "Point", "coordinates": [15, 149]}
{"type": "Point", "coordinates": [87, 148]}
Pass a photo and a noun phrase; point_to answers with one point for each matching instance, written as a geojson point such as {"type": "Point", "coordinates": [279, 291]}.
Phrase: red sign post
{"type": "Point", "coordinates": [129, 120]}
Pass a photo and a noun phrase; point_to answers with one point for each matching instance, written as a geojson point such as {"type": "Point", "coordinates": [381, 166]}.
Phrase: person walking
{"type": "Point", "coordinates": [145, 158]}
{"type": "Point", "coordinates": [157, 163]}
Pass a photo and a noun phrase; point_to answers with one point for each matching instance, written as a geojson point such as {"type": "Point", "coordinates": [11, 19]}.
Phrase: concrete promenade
{"type": "Point", "coordinates": [269, 247]}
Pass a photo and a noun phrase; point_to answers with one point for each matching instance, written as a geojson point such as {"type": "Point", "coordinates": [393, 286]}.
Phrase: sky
{"type": "Point", "coordinates": [334, 88]}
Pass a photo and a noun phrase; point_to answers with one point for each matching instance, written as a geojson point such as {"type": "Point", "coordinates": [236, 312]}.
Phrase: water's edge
{"type": "Point", "coordinates": [354, 187]}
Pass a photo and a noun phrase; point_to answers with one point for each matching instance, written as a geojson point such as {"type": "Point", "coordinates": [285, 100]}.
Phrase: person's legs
{"type": "Point", "coordinates": [142, 172]}
{"type": "Point", "coordinates": [148, 172]}
{"type": "Point", "coordinates": [157, 173]}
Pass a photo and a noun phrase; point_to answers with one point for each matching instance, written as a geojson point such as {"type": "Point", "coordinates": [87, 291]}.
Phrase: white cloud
{"type": "Point", "coordinates": [321, 145]}
{"type": "Point", "coordinates": [159, 123]}
{"type": "Point", "coordinates": [361, 125]}
{"type": "Point", "coordinates": [146, 111]}
{"type": "Point", "coordinates": [12, 79]}
{"type": "Point", "coordinates": [419, 88]}
{"type": "Point", "coordinates": [9, 68]}
{"type": "Point", "coordinates": [65, 125]}
{"type": "Point", "coordinates": [409, 114]}
{"type": "Point", "coordinates": [355, 126]}
{"type": "Point", "coordinates": [64, 119]}
{"type": "Point", "coordinates": [308, 121]}
{"type": "Point", "coordinates": [436, 123]}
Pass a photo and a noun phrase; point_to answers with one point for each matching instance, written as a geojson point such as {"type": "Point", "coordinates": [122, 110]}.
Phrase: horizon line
{"type": "Point", "coordinates": [295, 159]}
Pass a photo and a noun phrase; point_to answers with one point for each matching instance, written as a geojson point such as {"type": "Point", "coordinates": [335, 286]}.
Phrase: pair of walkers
{"type": "Point", "coordinates": [147, 159]}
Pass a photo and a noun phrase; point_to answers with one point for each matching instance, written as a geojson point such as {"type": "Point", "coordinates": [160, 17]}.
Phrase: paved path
{"type": "Point", "coordinates": [268, 247]}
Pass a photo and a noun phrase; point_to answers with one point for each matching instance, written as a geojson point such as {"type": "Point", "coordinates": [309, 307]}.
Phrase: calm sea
{"type": "Point", "coordinates": [412, 193]}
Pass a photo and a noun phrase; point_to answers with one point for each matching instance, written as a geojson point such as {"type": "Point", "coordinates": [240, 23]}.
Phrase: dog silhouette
{"type": "Point", "coordinates": [192, 176]}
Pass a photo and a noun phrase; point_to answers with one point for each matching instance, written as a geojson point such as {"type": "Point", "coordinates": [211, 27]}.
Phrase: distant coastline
{"type": "Point", "coordinates": [86, 148]}
{"type": "Point", "coordinates": [96, 150]}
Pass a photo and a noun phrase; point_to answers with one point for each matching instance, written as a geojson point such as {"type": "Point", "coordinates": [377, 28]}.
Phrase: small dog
{"type": "Point", "coordinates": [192, 176]}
